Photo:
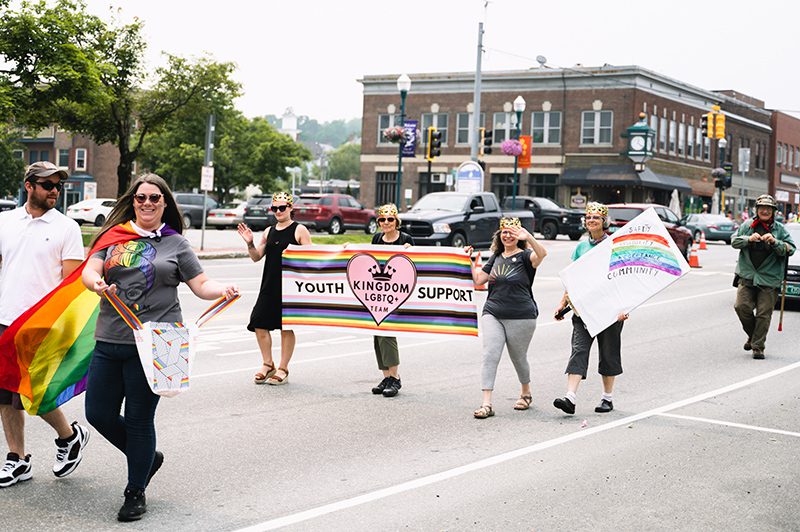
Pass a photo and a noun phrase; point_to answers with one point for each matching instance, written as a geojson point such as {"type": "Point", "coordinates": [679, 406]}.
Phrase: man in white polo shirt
{"type": "Point", "coordinates": [39, 247]}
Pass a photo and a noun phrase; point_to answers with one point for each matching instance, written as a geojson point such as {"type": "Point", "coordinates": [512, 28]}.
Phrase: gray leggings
{"type": "Point", "coordinates": [514, 334]}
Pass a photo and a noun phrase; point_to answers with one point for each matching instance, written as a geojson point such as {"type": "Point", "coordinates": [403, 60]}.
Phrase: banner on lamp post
{"type": "Point", "coordinates": [410, 143]}
{"type": "Point", "coordinates": [524, 160]}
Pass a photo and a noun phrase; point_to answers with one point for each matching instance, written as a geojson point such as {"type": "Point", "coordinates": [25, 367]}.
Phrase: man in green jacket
{"type": "Point", "coordinates": [764, 245]}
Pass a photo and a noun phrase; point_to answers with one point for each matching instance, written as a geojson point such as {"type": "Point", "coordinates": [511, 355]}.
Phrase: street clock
{"type": "Point", "coordinates": [640, 143]}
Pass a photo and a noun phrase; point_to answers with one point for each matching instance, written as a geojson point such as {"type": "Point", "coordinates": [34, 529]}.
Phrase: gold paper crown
{"type": "Point", "coordinates": [282, 196]}
{"type": "Point", "coordinates": [390, 209]}
{"type": "Point", "coordinates": [508, 223]}
{"type": "Point", "coordinates": [597, 208]}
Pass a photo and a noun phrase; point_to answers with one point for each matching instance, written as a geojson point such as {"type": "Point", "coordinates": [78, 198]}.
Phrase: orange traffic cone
{"type": "Point", "coordinates": [478, 265]}
{"type": "Point", "coordinates": [694, 260]}
{"type": "Point", "coordinates": [703, 241]}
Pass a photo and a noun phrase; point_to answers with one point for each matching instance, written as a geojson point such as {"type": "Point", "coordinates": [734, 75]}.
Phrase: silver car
{"type": "Point", "coordinates": [715, 226]}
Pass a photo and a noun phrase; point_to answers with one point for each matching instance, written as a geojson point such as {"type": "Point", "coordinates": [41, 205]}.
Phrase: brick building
{"type": "Point", "coordinates": [92, 167]}
{"type": "Point", "coordinates": [576, 118]}
{"type": "Point", "coordinates": [785, 168]}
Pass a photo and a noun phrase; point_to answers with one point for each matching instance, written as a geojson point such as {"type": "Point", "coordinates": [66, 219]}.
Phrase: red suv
{"type": "Point", "coordinates": [334, 213]}
{"type": "Point", "coordinates": [621, 213]}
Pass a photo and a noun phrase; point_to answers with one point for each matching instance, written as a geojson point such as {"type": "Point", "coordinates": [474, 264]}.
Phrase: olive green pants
{"type": "Point", "coordinates": [386, 352]}
{"type": "Point", "coordinates": [762, 301]}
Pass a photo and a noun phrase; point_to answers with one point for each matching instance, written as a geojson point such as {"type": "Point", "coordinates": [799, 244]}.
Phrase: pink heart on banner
{"type": "Point", "coordinates": [381, 288]}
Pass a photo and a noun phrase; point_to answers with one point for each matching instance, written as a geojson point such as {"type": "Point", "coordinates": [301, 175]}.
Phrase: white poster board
{"type": "Point", "coordinates": [623, 271]}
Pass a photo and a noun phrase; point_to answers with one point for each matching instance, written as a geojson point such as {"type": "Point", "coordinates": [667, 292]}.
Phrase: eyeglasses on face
{"type": "Point", "coordinates": [386, 220]}
{"type": "Point", "coordinates": [141, 198]}
{"type": "Point", "coordinates": [49, 185]}
{"type": "Point", "coordinates": [281, 208]}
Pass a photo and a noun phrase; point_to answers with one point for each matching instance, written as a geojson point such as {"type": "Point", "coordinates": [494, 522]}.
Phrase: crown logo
{"type": "Point", "coordinates": [380, 274]}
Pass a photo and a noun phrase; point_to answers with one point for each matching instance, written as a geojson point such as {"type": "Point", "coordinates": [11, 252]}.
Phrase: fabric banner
{"type": "Point", "coordinates": [410, 144]}
{"type": "Point", "coordinates": [524, 160]}
{"type": "Point", "coordinates": [622, 272]}
{"type": "Point", "coordinates": [384, 290]}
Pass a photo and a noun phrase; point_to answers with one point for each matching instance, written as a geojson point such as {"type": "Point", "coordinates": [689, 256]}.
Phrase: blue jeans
{"type": "Point", "coordinates": [115, 373]}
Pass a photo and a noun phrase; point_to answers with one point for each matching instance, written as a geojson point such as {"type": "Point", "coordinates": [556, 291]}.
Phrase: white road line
{"type": "Point", "coordinates": [732, 424]}
{"type": "Point", "coordinates": [317, 359]}
{"type": "Point", "coordinates": [319, 511]}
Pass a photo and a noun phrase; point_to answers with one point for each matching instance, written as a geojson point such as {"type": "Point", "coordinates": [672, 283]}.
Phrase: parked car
{"type": "Point", "coordinates": [191, 206]}
{"type": "Point", "coordinates": [793, 271]}
{"type": "Point", "coordinates": [7, 205]}
{"type": "Point", "coordinates": [334, 213]}
{"type": "Point", "coordinates": [715, 226]}
{"type": "Point", "coordinates": [229, 215]}
{"type": "Point", "coordinates": [622, 213]}
{"type": "Point", "coordinates": [457, 219]}
{"type": "Point", "coordinates": [550, 218]}
{"type": "Point", "coordinates": [91, 211]}
{"type": "Point", "coordinates": [257, 215]}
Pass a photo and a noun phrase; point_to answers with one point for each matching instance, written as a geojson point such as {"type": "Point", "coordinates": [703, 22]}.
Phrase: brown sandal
{"type": "Point", "coordinates": [276, 380]}
{"type": "Point", "coordinates": [483, 412]}
{"type": "Point", "coordinates": [523, 403]}
{"type": "Point", "coordinates": [261, 377]}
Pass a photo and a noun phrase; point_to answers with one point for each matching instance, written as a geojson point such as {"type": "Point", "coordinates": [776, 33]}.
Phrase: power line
{"type": "Point", "coordinates": [618, 80]}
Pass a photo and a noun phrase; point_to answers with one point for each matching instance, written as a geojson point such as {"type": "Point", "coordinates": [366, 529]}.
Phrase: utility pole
{"type": "Point", "coordinates": [208, 163]}
{"type": "Point", "coordinates": [476, 111]}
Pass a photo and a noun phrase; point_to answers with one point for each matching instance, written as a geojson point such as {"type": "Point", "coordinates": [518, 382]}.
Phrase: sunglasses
{"type": "Point", "coordinates": [141, 198]}
{"type": "Point", "coordinates": [593, 217]}
{"type": "Point", "coordinates": [281, 208]}
{"type": "Point", "coordinates": [386, 220]}
{"type": "Point", "coordinates": [48, 185]}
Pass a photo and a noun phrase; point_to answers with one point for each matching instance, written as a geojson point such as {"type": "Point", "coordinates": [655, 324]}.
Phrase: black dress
{"type": "Point", "coordinates": [267, 311]}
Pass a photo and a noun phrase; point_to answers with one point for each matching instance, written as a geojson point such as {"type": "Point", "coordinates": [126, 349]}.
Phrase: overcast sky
{"type": "Point", "coordinates": [308, 54]}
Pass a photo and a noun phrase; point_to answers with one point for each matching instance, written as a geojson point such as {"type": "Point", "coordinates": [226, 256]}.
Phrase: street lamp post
{"type": "Point", "coordinates": [519, 108]}
{"type": "Point", "coordinates": [403, 85]}
{"type": "Point", "coordinates": [722, 143]}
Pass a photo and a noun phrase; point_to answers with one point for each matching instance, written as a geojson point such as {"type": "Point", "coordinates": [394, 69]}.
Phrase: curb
{"type": "Point", "coordinates": [210, 254]}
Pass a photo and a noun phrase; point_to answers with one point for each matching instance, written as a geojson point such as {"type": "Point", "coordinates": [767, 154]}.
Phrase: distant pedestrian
{"type": "Point", "coordinates": [267, 312]}
{"type": "Point", "coordinates": [145, 273]}
{"type": "Point", "coordinates": [509, 315]}
{"type": "Point", "coordinates": [386, 350]}
{"type": "Point", "coordinates": [39, 247]}
{"type": "Point", "coordinates": [764, 245]}
{"type": "Point", "coordinates": [609, 340]}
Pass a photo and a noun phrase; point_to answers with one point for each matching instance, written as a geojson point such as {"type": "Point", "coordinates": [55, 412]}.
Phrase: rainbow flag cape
{"type": "Point", "coordinates": [45, 353]}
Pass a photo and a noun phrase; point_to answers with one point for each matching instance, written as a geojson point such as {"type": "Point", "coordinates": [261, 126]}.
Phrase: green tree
{"type": "Point", "coordinates": [345, 162]}
{"type": "Point", "coordinates": [11, 168]}
{"type": "Point", "coordinates": [105, 91]}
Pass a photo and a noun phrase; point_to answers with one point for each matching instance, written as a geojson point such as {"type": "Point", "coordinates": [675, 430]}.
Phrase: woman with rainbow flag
{"type": "Point", "coordinates": [146, 260]}
{"type": "Point", "coordinates": [609, 341]}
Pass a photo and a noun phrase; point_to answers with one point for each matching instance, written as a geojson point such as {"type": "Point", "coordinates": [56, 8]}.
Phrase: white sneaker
{"type": "Point", "coordinates": [69, 456]}
{"type": "Point", "coordinates": [15, 470]}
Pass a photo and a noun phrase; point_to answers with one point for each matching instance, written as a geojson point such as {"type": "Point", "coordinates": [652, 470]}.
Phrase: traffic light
{"type": "Point", "coordinates": [707, 125]}
{"type": "Point", "coordinates": [485, 146]}
{"type": "Point", "coordinates": [434, 146]}
{"type": "Point", "coordinates": [727, 179]}
{"type": "Point", "coordinates": [719, 126]}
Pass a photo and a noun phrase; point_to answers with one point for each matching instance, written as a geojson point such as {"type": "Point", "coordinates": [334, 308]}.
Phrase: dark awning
{"type": "Point", "coordinates": [622, 175]}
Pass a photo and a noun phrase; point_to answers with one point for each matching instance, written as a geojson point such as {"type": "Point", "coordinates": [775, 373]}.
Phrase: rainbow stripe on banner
{"type": "Point", "coordinates": [379, 290]}
{"type": "Point", "coordinates": [45, 353]}
{"type": "Point", "coordinates": [644, 250]}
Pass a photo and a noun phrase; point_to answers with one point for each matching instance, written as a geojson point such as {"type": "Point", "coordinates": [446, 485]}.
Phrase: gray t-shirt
{"type": "Point", "coordinates": [510, 296]}
{"type": "Point", "coordinates": [147, 273]}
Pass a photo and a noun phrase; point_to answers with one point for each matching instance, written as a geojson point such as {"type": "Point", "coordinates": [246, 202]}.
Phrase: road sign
{"type": "Point", "coordinates": [469, 177]}
{"type": "Point", "coordinates": [744, 160]}
{"type": "Point", "coordinates": [207, 178]}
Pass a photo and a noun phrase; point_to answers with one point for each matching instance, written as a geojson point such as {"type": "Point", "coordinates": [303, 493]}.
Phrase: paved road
{"type": "Point", "coordinates": [703, 437]}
